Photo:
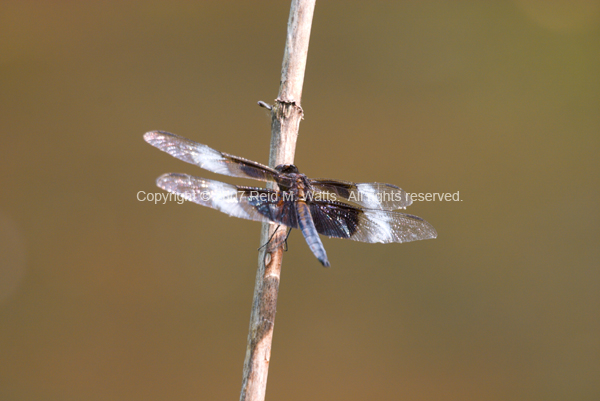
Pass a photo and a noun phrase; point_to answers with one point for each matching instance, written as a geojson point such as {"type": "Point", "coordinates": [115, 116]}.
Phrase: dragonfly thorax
{"type": "Point", "coordinates": [297, 186]}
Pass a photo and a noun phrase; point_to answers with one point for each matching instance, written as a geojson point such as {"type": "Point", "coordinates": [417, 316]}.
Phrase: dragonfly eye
{"type": "Point", "coordinates": [287, 169]}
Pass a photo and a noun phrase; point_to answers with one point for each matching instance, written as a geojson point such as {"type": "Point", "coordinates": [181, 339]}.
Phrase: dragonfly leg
{"type": "Point", "coordinates": [286, 238]}
{"type": "Point", "coordinates": [270, 238]}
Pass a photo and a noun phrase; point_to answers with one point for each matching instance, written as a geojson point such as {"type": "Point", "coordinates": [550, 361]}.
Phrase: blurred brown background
{"type": "Point", "coordinates": [104, 297]}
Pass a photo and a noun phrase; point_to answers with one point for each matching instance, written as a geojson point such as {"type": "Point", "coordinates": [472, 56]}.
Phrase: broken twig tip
{"type": "Point", "coordinates": [265, 105]}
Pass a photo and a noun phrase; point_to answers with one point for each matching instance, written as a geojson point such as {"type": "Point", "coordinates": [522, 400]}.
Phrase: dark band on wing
{"type": "Point", "coordinates": [371, 195]}
{"type": "Point", "coordinates": [272, 206]}
{"type": "Point", "coordinates": [208, 158]}
{"type": "Point", "coordinates": [335, 219]}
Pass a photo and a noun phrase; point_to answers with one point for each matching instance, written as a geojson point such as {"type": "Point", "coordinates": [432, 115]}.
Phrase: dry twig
{"type": "Point", "coordinates": [286, 115]}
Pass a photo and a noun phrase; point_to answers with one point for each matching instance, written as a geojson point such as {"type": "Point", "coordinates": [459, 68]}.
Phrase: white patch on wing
{"type": "Point", "coordinates": [388, 226]}
{"type": "Point", "coordinates": [374, 195]}
{"type": "Point", "coordinates": [210, 159]}
{"type": "Point", "coordinates": [383, 230]}
{"type": "Point", "coordinates": [188, 151]}
{"type": "Point", "coordinates": [368, 196]}
{"type": "Point", "coordinates": [223, 197]}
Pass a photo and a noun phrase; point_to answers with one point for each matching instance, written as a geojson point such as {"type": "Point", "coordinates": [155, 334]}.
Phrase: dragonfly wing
{"type": "Point", "coordinates": [208, 158]}
{"type": "Point", "coordinates": [230, 199]}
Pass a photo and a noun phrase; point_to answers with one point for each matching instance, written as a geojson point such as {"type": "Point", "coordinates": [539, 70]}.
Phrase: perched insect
{"type": "Point", "coordinates": [365, 212]}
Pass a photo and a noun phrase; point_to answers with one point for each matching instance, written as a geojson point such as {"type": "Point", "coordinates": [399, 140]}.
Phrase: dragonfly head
{"type": "Point", "coordinates": [287, 169]}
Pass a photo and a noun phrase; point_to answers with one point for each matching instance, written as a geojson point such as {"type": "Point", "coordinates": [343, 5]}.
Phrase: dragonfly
{"type": "Point", "coordinates": [365, 212]}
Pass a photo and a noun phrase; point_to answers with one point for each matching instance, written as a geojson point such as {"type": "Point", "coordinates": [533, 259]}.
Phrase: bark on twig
{"type": "Point", "coordinates": [286, 115]}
